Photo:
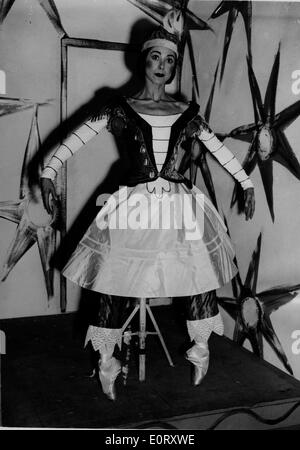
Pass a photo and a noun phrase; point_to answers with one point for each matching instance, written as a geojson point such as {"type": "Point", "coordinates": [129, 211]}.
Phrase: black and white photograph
{"type": "Point", "coordinates": [149, 217]}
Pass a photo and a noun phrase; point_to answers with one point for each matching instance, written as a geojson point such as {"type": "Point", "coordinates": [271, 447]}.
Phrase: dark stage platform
{"type": "Point", "coordinates": [45, 382]}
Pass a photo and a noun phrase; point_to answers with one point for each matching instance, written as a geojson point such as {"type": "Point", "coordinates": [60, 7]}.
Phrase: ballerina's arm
{"type": "Point", "coordinates": [70, 145]}
{"type": "Point", "coordinates": [227, 159]}
{"type": "Point", "coordinates": [77, 139]}
{"type": "Point", "coordinates": [223, 155]}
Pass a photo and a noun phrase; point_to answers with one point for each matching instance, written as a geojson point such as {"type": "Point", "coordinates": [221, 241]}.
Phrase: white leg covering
{"type": "Point", "coordinates": [199, 332]}
{"type": "Point", "coordinates": [104, 339]}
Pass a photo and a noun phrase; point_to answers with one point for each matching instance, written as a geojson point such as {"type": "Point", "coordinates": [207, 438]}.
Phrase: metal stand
{"type": "Point", "coordinates": [144, 307]}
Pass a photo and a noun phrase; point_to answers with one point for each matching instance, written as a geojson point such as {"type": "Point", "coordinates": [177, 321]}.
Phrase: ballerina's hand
{"type": "Point", "coordinates": [249, 199]}
{"type": "Point", "coordinates": [48, 189]}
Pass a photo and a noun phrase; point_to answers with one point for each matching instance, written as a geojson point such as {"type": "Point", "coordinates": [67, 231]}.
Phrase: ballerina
{"type": "Point", "coordinates": [189, 258]}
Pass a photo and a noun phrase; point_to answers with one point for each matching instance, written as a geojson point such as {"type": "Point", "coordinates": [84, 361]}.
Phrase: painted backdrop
{"type": "Point", "coordinates": [244, 72]}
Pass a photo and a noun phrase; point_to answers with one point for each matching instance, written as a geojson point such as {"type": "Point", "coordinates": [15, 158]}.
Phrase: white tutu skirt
{"type": "Point", "coordinates": [157, 239]}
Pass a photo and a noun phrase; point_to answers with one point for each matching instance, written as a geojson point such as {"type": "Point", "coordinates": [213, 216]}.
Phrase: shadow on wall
{"type": "Point", "coordinates": [115, 177]}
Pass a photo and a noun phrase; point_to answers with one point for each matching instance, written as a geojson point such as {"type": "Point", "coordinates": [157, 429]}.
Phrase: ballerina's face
{"type": "Point", "coordinates": [160, 63]}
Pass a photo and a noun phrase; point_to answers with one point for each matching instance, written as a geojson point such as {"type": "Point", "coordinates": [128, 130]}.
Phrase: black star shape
{"type": "Point", "coordinates": [9, 105]}
{"type": "Point", "coordinates": [34, 223]}
{"type": "Point", "coordinates": [234, 8]}
{"type": "Point", "coordinates": [266, 135]}
{"type": "Point", "coordinates": [251, 311]}
{"type": "Point", "coordinates": [157, 9]}
{"type": "Point", "coordinates": [49, 8]}
{"type": "Point", "coordinates": [5, 7]}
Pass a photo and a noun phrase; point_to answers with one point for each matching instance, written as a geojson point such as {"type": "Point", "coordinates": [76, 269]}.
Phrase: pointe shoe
{"type": "Point", "coordinates": [198, 355]}
{"type": "Point", "coordinates": [108, 372]}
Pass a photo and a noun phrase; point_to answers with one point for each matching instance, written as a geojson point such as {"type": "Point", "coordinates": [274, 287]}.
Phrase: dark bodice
{"type": "Point", "coordinates": [135, 134]}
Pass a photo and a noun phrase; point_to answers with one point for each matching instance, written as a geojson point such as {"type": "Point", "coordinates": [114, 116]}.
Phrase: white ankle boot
{"type": "Point", "coordinates": [199, 332]}
{"type": "Point", "coordinates": [104, 340]}
{"type": "Point", "coordinates": [198, 355]}
{"type": "Point", "coordinates": [109, 369]}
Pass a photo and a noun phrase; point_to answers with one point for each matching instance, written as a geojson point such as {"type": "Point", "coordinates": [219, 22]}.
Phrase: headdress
{"type": "Point", "coordinates": [168, 34]}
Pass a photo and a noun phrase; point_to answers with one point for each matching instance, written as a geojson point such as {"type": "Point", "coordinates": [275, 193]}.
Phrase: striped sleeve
{"type": "Point", "coordinates": [77, 139]}
{"type": "Point", "coordinates": [223, 155]}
